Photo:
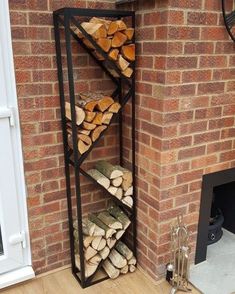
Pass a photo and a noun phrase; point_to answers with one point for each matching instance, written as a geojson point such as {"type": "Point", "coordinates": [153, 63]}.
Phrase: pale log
{"type": "Point", "coordinates": [88, 227]}
{"type": "Point", "coordinates": [111, 270]}
{"type": "Point", "coordinates": [124, 250]}
{"type": "Point", "coordinates": [118, 39]}
{"type": "Point", "coordinates": [119, 193]}
{"type": "Point", "coordinates": [89, 268]}
{"type": "Point", "coordinates": [89, 116]}
{"type": "Point", "coordinates": [106, 118]}
{"type": "Point", "coordinates": [97, 30]}
{"type": "Point", "coordinates": [132, 261]}
{"type": "Point", "coordinates": [85, 132]}
{"type": "Point", "coordinates": [128, 52]}
{"type": "Point", "coordinates": [114, 107]}
{"type": "Point", "coordinates": [98, 118]}
{"type": "Point", "coordinates": [124, 270]}
{"type": "Point", "coordinates": [127, 174]}
{"type": "Point", "coordinates": [132, 268]}
{"type": "Point", "coordinates": [85, 138]}
{"type": "Point", "coordinates": [88, 126]}
{"type": "Point", "coordinates": [104, 252]}
{"type": "Point", "coordinates": [122, 63]}
{"type": "Point", "coordinates": [80, 114]}
{"type": "Point", "coordinates": [129, 191]}
{"type": "Point", "coordinates": [82, 146]}
{"type": "Point", "coordinates": [119, 215]}
{"type": "Point", "coordinates": [101, 20]}
{"type": "Point", "coordinates": [95, 134]}
{"type": "Point", "coordinates": [112, 190]}
{"type": "Point", "coordinates": [127, 72]}
{"type": "Point", "coordinates": [119, 234]}
{"type": "Point", "coordinates": [98, 231]}
{"type": "Point", "coordinates": [99, 177]}
{"type": "Point", "coordinates": [126, 185]}
{"type": "Point", "coordinates": [95, 259]}
{"type": "Point", "coordinates": [102, 244]}
{"type": "Point", "coordinates": [88, 104]}
{"type": "Point", "coordinates": [108, 169]}
{"type": "Point", "coordinates": [104, 103]}
{"type": "Point", "coordinates": [110, 221]}
{"type": "Point", "coordinates": [129, 32]}
{"type": "Point", "coordinates": [128, 200]}
{"type": "Point", "coordinates": [89, 252]}
{"type": "Point", "coordinates": [111, 242]}
{"type": "Point", "coordinates": [87, 240]}
{"type": "Point", "coordinates": [117, 259]}
{"type": "Point", "coordinates": [117, 182]}
{"type": "Point", "coordinates": [95, 242]}
{"type": "Point", "coordinates": [113, 54]}
{"type": "Point", "coordinates": [108, 231]}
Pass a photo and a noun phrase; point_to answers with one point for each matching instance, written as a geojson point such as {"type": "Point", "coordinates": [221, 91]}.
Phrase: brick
{"type": "Point", "coordinates": [183, 33]}
{"type": "Point", "coordinates": [156, 48]}
{"type": "Point", "coordinates": [181, 62]}
{"type": "Point", "coordinates": [192, 152]}
{"type": "Point", "coordinates": [40, 18]}
{"type": "Point", "coordinates": [189, 176]}
{"type": "Point", "coordinates": [208, 113]}
{"type": "Point", "coordinates": [209, 88]}
{"type": "Point", "coordinates": [214, 34]}
{"type": "Point", "coordinates": [206, 137]}
{"type": "Point", "coordinates": [196, 76]}
{"type": "Point", "coordinates": [198, 48]}
{"type": "Point", "coordinates": [202, 18]}
{"type": "Point", "coordinates": [204, 161]}
{"type": "Point", "coordinates": [213, 61]}
{"type": "Point", "coordinates": [18, 18]}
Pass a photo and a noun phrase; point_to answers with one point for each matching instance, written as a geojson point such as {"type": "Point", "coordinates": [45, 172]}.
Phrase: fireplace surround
{"type": "Point", "coordinates": [213, 183]}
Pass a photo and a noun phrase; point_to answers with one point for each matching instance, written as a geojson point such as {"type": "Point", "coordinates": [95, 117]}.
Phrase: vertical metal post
{"type": "Point", "coordinates": [120, 118]}
{"type": "Point", "coordinates": [65, 139]}
{"type": "Point", "coordinates": [75, 142]}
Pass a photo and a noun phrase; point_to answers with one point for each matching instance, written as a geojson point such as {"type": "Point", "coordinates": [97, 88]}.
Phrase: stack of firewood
{"type": "Point", "coordinates": [120, 261]}
{"type": "Point", "coordinates": [116, 179]}
{"type": "Point", "coordinates": [114, 38]}
{"type": "Point", "coordinates": [93, 114]}
{"type": "Point", "coordinates": [100, 234]}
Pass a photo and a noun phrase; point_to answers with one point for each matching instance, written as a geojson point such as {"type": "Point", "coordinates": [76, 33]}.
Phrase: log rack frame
{"type": "Point", "coordinates": [63, 19]}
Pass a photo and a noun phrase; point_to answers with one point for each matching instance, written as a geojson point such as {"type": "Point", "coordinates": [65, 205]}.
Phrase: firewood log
{"type": "Point", "coordinates": [110, 221]}
{"type": "Point", "coordinates": [96, 132]}
{"type": "Point", "coordinates": [80, 114]}
{"type": "Point", "coordinates": [89, 116]}
{"type": "Point", "coordinates": [127, 174]}
{"type": "Point", "coordinates": [104, 252]}
{"type": "Point", "coordinates": [87, 240]}
{"type": "Point", "coordinates": [116, 212]}
{"type": "Point", "coordinates": [113, 54]}
{"type": "Point", "coordinates": [127, 72]}
{"type": "Point", "coordinates": [89, 252]}
{"type": "Point", "coordinates": [88, 227]}
{"type": "Point", "coordinates": [98, 118]}
{"type": "Point", "coordinates": [85, 132]}
{"type": "Point", "coordinates": [132, 268]}
{"type": "Point", "coordinates": [119, 193]}
{"type": "Point", "coordinates": [117, 182]}
{"type": "Point", "coordinates": [88, 126]}
{"type": "Point", "coordinates": [88, 104]}
{"type": "Point", "coordinates": [111, 270]}
{"type": "Point", "coordinates": [112, 190]}
{"type": "Point", "coordinates": [124, 250]}
{"type": "Point", "coordinates": [132, 261]}
{"type": "Point", "coordinates": [104, 43]}
{"type": "Point", "coordinates": [122, 63]}
{"type": "Point", "coordinates": [104, 103]}
{"type": "Point", "coordinates": [95, 259]}
{"type": "Point", "coordinates": [129, 32]}
{"type": "Point", "coordinates": [118, 40]}
{"type": "Point", "coordinates": [85, 138]}
{"type": "Point", "coordinates": [99, 177]}
{"type": "Point", "coordinates": [95, 242]}
{"type": "Point", "coordinates": [121, 25]}
{"type": "Point", "coordinates": [126, 185]}
{"type": "Point", "coordinates": [119, 234]}
{"type": "Point", "coordinates": [106, 118]}
{"type": "Point", "coordinates": [113, 28]}
{"type": "Point", "coordinates": [117, 259]}
{"type": "Point", "coordinates": [97, 30]}
{"type": "Point", "coordinates": [101, 20]}
{"type": "Point", "coordinates": [83, 146]}
{"type": "Point", "coordinates": [111, 242]}
{"type": "Point", "coordinates": [128, 200]}
{"type": "Point", "coordinates": [128, 52]}
{"type": "Point", "coordinates": [108, 169]}
{"type": "Point", "coordinates": [129, 191]}
{"type": "Point", "coordinates": [114, 107]}
{"type": "Point", "coordinates": [108, 231]}
{"type": "Point", "coordinates": [124, 270]}
{"type": "Point", "coordinates": [89, 268]}
{"type": "Point", "coordinates": [102, 244]}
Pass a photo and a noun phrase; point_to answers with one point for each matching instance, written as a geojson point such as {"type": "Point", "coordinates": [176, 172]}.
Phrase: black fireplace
{"type": "Point", "coordinates": [217, 209]}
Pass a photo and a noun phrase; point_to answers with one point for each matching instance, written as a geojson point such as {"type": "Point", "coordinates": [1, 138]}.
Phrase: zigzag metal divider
{"type": "Point", "coordinates": [65, 19]}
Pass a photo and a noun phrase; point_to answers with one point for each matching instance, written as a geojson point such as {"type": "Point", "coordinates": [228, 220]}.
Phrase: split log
{"type": "Point", "coordinates": [108, 169]}
{"type": "Point", "coordinates": [88, 126]}
{"type": "Point", "coordinates": [124, 270]}
{"type": "Point", "coordinates": [113, 28]}
{"type": "Point", "coordinates": [89, 268]}
{"type": "Point", "coordinates": [112, 190]}
{"type": "Point", "coordinates": [118, 39]}
{"type": "Point", "coordinates": [119, 234]}
{"type": "Point", "coordinates": [124, 250]}
{"type": "Point", "coordinates": [88, 227]}
{"type": "Point", "coordinates": [85, 138]}
{"type": "Point", "coordinates": [132, 261]}
{"type": "Point", "coordinates": [99, 177]}
{"type": "Point", "coordinates": [111, 270]}
{"type": "Point", "coordinates": [104, 44]}
{"type": "Point", "coordinates": [119, 193]}
{"type": "Point", "coordinates": [114, 107]}
{"type": "Point", "coordinates": [121, 25]}
{"type": "Point", "coordinates": [110, 221]}
{"type": "Point", "coordinates": [106, 118]}
{"type": "Point", "coordinates": [80, 114]}
{"type": "Point", "coordinates": [127, 174]}
{"type": "Point", "coordinates": [95, 260]}
{"type": "Point", "coordinates": [87, 240]}
{"type": "Point", "coordinates": [82, 146]}
{"type": "Point", "coordinates": [96, 132]}
{"type": "Point", "coordinates": [98, 118]}
{"type": "Point", "coordinates": [102, 244]}
{"type": "Point", "coordinates": [116, 212]}
{"type": "Point", "coordinates": [85, 132]}
{"type": "Point", "coordinates": [128, 200]}
{"type": "Point", "coordinates": [89, 253]}
{"type": "Point", "coordinates": [132, 268]}
{"type": "Point", "coordinates": [86, 104]}
{"type": "Point", "coordinates": [129, 191]}
{"type": "Point", "coordinates": [117, 259]}
{"type": "Point", "coordinates": [101, 20]}
{"type": "Point", "coordinates": [117, 182]}
{"type": "Point", "coordinates": [127, 72]}
{"type": "Point", "coordinates": [113, 54]}
{"type": "Point", "coordinates": [129, 32]}
{"type": "Point", "coordinates": [122, 63]}
{"type": "Point", "coordinates": [104, 103]}
{"type": "Point", "coordinates": [126, 185]}
{"type": "Point", "coordinates": [108, 231]}
{"type": "Point", "coordinates": [97, 30]}
{"type": "Point", "coordinates": [104, 253]}
{"type": "Point", "coordinates": [128, 52]}
{"type": "Point", "coordinates": [95, 242]}
{"type": "Point", "coordinates": [98, 231]}
{"type": "Point", "coordinates": [89, 116]}
{"type": "Point", "coordinates": [111, 242]}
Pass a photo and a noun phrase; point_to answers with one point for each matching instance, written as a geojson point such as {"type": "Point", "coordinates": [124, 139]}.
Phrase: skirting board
{"type": "Point", "coordinates": [17, 276]}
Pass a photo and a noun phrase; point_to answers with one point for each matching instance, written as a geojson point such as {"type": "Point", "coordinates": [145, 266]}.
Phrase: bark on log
{"type": "Point", "coordinates": [89, 253]}
{"type": "Point", "coordinates": [110, 221]}
{"type": "Point", "coordinates": [128, 200]}
{"type": "Point", "coordinates": [112, 190]}
{"type": "Point", "coordinates": [132, 268]}
{"type": "Point", "coordinates": [122, 63]}
{"type": "Point", "coordinates": [80, 114]}
{"type": "Point", "coordinates": [118, 39]}
{"type": "Point", "coordinates": [111, 270]}
{"type": "Point", "coordinates": [108, 231]}
{"type": "Point", "coordinates": [89, 268]}
{"type": "Point", "coordinates": [124, 270]}
{"type": "Point", "coordinates": [108, 169]}
{"type": "Point", "coordinates": [117, 259]}
{"type": "Point", "coordinates": [105, 252]}
{"type": "Point", "coordinates": [117, 182]}
{"type": "Point", "coordinates": [104, 103]}
{"type": "Point", "coordinates": [124, 250]}
{"type": "Point", "coordinates": [95, 134]}
{"type": "Point", "coordinates": [106, 118]}
{"type": "Point", "coordinates": [114, 107]}
{"type": "Point", "coordinates": [129, 191]}
{"type": "Point", "coordinates": [128, 52]}
{"type": "Point", "coordinates": [116, 212]}
{"type": "Point", "coordinates": [119, 193]}
{"type": "Point", "coordinates": [99, 177]}
{"type": "Point", "coordinates": [113, 54]}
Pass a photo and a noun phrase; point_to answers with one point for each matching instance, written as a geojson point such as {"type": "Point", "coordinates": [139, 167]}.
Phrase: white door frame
{"type": "Point", "coordinates": [10, 86]}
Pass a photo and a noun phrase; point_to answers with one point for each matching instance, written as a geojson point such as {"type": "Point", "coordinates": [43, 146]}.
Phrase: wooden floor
{"type": "Point", "coordinates": [63, 282]}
